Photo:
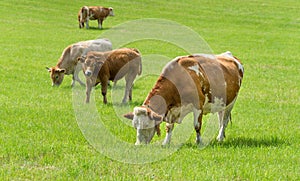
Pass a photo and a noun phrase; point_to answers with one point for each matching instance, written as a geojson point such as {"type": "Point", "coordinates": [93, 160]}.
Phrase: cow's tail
{"type": "Point", "coordinates": [140, 66]}
{"type": "Point", "coordinates": [136, 50]}
{"type": "Point", "coordinates": [140, 60]}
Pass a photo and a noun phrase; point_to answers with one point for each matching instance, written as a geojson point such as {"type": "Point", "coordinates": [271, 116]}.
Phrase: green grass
{"type": "Point", "coordinates": [40, 137]}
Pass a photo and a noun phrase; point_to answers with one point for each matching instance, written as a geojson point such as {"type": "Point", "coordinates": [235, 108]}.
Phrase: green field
{"type": "Point", "coordinates": [40, 138]}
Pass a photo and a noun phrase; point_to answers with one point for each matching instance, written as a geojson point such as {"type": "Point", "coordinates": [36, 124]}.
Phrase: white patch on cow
{"type": "Point", "coordinates": [176, 114]}
{"type": "Point", "coordinates": [216, 106]}
{"type": "Point", "coordinates": [141, 119]}
{"type": "Point", "coordinates": [229, 54]}
{"type": "Point", "coordinates": [195, 68]}
{"type": "Point", "coordinates": [167, 139]}
{"type": "Point", "coordinates": [144, 125]}
{"type": "Point", "coordinates": [196, 114]}
{"type": "Point", "coordinates": [240, 66]}
{"type": "Point", "coordinates": [91, 16]}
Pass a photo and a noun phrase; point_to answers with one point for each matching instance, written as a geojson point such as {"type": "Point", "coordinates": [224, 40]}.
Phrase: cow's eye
{"type": "Point", "coordinates": [56, 77]}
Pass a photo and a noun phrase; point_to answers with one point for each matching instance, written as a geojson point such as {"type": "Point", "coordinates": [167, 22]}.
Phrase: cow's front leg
{"type": "Point", "coordinates": [169, 128]}
{"type": "Point", "coordinates": [81, 24]}
{"type": "Point", "coordinates": [197, 124]}
{"type": "Point", "coordinates": [87, 24]}
{"type": "Point", "coordinates": [104, 90]}
{"type": "Point", "coordinates": [88, 92]}
{"type": "Point", "coordinates": [100, 23]}
{"type": "Point", "coordinates": [78, 68]}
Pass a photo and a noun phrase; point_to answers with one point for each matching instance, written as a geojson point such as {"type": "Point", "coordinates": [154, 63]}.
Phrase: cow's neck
{"type": "Point", "coordinates": [162, 97]}
{"type": "Point", "coordinates": [64, 59]}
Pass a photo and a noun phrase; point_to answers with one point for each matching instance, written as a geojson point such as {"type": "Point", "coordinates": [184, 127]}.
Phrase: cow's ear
{"type": "Point", "coordinates": [49, 69]}
{"type": "Point", "coordinates": [60, 70]}
{"type": "Point", "coordinates": [157, 118]}
{"type": "Point", "coordinates": [129, 115]}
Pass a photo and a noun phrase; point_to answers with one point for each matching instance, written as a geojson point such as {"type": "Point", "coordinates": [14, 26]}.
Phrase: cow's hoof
{"type": "Point", "coordinates": [220, 138]}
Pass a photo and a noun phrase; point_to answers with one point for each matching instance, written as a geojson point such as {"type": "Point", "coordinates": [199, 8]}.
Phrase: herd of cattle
{"type": "Point", "coordinates": [199, 83]}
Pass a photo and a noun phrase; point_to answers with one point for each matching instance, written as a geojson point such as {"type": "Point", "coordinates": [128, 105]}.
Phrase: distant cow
{"type": "Point", "coordinates": [113, 65]}
{"type": "Point", "coordinates": [99, 13]}
{"type": "Point", "coordinates": [67, 63]}
{"type": "Point", "coordinates": [197, 83]}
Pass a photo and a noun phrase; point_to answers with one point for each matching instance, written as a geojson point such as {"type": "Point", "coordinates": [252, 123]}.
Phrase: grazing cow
{"type": "Point", "coordinates": [197, 83]}
{"type": "Point", "coordinates": [113, 65]}
{"type": "Point", "coordinates": [93, 13]}
{"type": "Point", "coordinates": [67, 63]}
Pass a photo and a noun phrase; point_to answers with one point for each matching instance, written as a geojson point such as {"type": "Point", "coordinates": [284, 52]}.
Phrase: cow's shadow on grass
{"type": "Point", "coordinates": [242, 142]}
{"type": "Point", "coordinates": [94, 28]}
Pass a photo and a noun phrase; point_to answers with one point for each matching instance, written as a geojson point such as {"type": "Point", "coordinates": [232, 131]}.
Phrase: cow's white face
{"type": "Point", "coordinates": [111, 11]}
{"type": "Point", "coordinates": [56, 75]}
{"type": "Point", "coordinates": [144, 121]}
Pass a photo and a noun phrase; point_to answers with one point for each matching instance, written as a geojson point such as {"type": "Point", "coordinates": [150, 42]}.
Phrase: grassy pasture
{"type": "Point", "coordinates": [40, 137]}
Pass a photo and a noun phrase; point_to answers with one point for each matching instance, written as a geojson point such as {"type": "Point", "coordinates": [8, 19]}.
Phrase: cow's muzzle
{"type": "Point", "coordinates": [88, 73]}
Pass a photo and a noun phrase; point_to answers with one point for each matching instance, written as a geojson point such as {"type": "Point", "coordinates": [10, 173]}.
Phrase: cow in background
{"type": "Point", "coordinates": [67, 63]}
{"type": "Point", "coordinates": [99, 13]}
{"type": "Point", "coordinates": [100, 67]}
{"type": "Point", "coordinates": [197, 83]}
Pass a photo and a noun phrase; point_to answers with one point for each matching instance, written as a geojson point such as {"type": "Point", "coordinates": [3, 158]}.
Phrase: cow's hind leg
{"type": "Point", "coordinates": [73, 81]}
{"type": "Point", "coordinates": [169, 129]}
{"type": "Point", "coordinates": [130, 93]}
{"type": "Point", "coordinates": [224, 118]}
{"type": "Point", "coordinates": [129, 78]}
{"type": "Point", "coordinates": [197, 124]}
{"type": "Point", "coordinates": [104, 90]}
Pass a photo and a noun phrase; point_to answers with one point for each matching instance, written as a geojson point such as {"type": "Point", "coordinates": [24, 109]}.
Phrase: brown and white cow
{"type": "Point", "coordinates": [197, 83]}
{"type": "Point", "coordinates": [113, 65]}
{"type": "Point", "coordinates": [99, 13]}
{"type": "Point", "coordinates": [67, 63]}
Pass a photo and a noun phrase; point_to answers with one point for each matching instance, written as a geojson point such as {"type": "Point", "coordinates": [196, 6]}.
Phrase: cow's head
{"type": "Point", "coordinates": [56, 75]}
{"type": "Point", "coordinates": [91, 64]}
{"type": "Point", "coordinates": [146, 122]}
{"type": "Point", "coordinates": [111, 11]}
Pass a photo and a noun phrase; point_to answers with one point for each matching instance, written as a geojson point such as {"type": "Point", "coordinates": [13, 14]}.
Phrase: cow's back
{"type": "Point", "coordinates": [97, 12]}
{"type": "Point", "coordinates": [98, 45]}
{"type": "Point", "coordinates": [68, 59]}
{"type": "Point", "coordinates": [224, 76]}
{"type": "Point", "coordinates": [120, 60]}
